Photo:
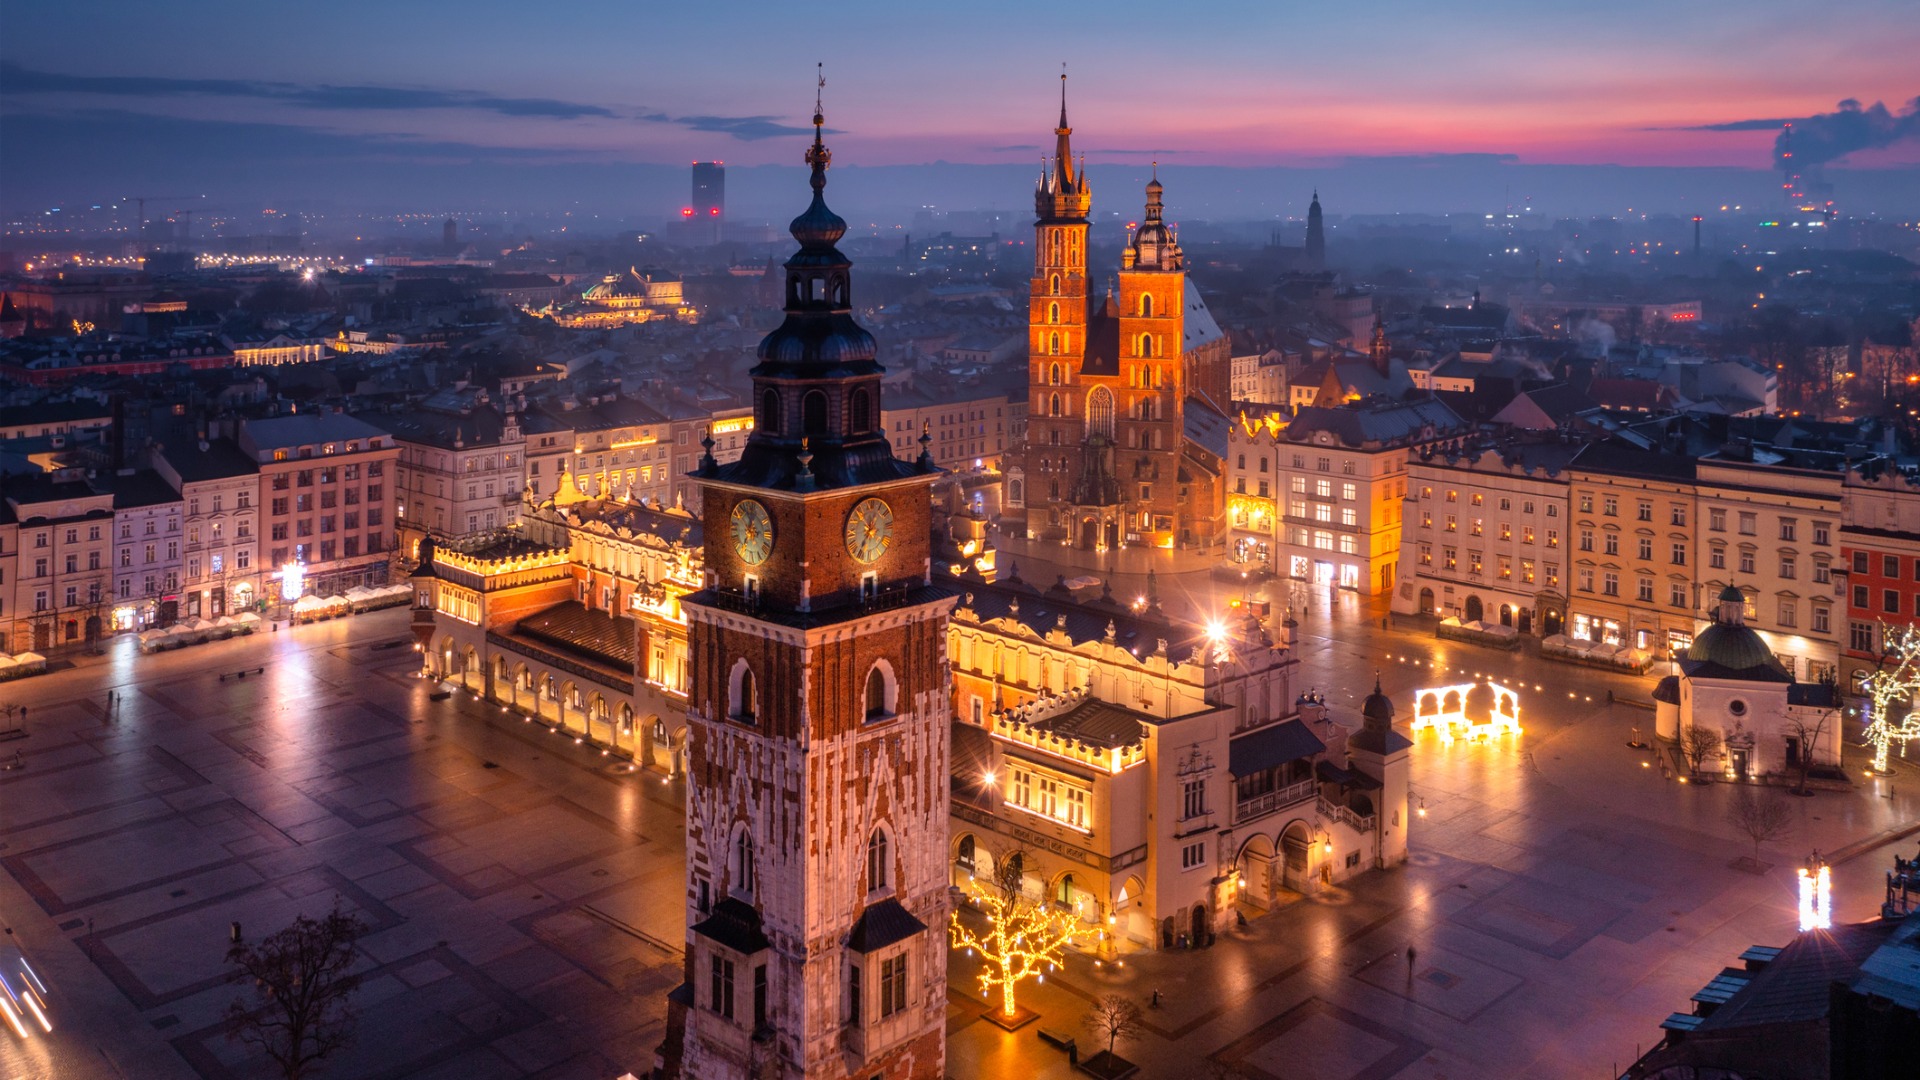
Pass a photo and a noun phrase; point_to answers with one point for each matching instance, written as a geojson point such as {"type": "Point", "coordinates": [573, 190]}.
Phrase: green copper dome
{"type": "Point", "coordinates": [1733, 646]}
{"type": "Point", "coordinates": [1732, 594]}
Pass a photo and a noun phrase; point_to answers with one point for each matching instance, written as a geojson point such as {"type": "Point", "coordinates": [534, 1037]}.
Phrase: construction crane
{"type": "Point", "coordinates": [140, 205]}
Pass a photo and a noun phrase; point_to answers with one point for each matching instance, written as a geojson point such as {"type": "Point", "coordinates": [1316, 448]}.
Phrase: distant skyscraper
{"type": "Point", "coordinates": [709, 190]}
{"type": "Point", "coordinates": [1316, 235]}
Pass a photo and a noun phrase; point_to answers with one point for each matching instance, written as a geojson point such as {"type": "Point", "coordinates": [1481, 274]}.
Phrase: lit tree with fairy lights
{"type": "Point", "coordinates": [1024, 938]}
{"type": "Point", "coordinates": [1888, 687]}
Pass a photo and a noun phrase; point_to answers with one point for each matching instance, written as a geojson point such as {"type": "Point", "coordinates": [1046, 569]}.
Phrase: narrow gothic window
{"type": "Point", "coordinates": [876, 860]}
{"type": "Point", "coordinates": [876, 694]}
{"type": "Point", "coordinates": [1146, 306]}
{"type": "Point", "coordinates": [1053, 343]}
{"type": "Point", "coordinates": [1146, 344]}
{"type": "Point", "coordinates": [745, 698]}
{"type": "Point", "coordinates": [1053, 313]}
{"type": "Point", "coordinates": [743, 863]}
{"type": "Point", "coordinates": [813, 409]}
{"type": "Point", "coordinates": [1054, 285]}
{"type": "Point", "coordinates": [1053, 375]}
{"type": "Point", "coordinates": [1053, 406]}
{"type": "Point", "coordinates": [862, 419]}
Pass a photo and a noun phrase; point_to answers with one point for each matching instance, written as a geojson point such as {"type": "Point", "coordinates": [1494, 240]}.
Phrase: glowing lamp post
{"type": "Point", "coordinates": [293, 581]}
{"type": "Point", "coordinates": [1816, 894]}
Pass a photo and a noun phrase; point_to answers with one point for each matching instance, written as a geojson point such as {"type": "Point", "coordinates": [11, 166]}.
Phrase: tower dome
{"type": "Point", "coordinates": [1378, 707]}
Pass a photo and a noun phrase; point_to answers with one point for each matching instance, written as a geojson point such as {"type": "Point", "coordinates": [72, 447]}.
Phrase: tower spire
{"type": "Point", "coordinates": [1063, 150]}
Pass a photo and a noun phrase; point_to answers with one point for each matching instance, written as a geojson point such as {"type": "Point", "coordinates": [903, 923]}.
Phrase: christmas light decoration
{"type": "Point", "coordinates": [1888, 687]}
{"type": "Point", "coordinates": [1024, 939]}
{"type": "Point", "coordinates": [1816, 895]}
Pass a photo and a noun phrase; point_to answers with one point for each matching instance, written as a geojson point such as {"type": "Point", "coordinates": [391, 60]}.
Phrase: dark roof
{"type": "Point", "coordinates": [1103, 341]}
{"type": "Point", "coordinates": [221, 459]}
{"type": "Point", "coordinates": [53, 412]}
{"type": "Point", "coordinates": [1274, 745]}
{"type": "Point", "coordinates": [671, 528]}
{"type": "Point", "coordinates": [1817, 694]}
{"type": "Point", "coordinates": [881, 925]}
{"type": "Point", "coordinates": [571, 625]}
{"type": "Point", "coordinates": [734, 924]}
{"type": "Point", "coordinates": [1098, 723]}
{"type": "Point", "coordinates": [773, 462]}
{"type": "Point", "coordinates": [1374, 423]}
{"type": "Point", "coordinates": [142, 488]}
{"type": "Point", "coordinates": [1378, 742]}
{"type": "Point", "coordinates": [1137, 633]}
{"type": "Point", "coordinates": [1617, 457]}
{"type": "Point", "coordinates": [1667, 690]}
{"type": "Point", "coordinates": [1205, 427]}
{"type": "Point", "coordinates": [481, 427]}
{"type": "Point", "coordinates": [1794, 986]}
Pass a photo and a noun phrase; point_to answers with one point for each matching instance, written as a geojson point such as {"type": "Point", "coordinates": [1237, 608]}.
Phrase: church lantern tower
{"type": "Point", "coordinates": [1154, 371]}
{"type": "Point", "coordinates": [1316, 236]}
{"type": "Point", "coordinates": [818, 710]}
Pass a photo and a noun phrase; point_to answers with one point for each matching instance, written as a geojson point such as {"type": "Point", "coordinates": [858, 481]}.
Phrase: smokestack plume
{"type": "Point", "coordinates": [1824, 137]}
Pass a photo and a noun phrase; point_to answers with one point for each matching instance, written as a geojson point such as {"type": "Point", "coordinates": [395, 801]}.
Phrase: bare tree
{"type": "Point", "coordinates": [301, 1013]}
{"type": "Point", "coordinates": [1116, 1017]}
{"type": "Point", "coordinates": [1698, 744]}
{"type": "Point", "coordinates": [1764, 818]}
{"type": "Point", "coordinates": [1807, 735]}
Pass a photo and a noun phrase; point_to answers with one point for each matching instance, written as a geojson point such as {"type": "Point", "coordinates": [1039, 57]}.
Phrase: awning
{"type": "Point", "coordinates": [1272, 746]}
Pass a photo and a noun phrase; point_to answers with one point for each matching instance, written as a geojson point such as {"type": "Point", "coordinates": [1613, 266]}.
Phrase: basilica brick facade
{"type": "Point", "coordinates": [1126, 435]}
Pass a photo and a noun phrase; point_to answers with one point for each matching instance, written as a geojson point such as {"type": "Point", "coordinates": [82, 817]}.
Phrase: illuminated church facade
{"type": "Point", "coordinates": [1126, 432]}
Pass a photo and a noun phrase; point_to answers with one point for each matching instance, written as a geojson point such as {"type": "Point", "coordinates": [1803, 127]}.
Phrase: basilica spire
{"type": "Point", "coordinates": [1063, 194]}
{"type": "Point", "coordinates": [1062, 147]}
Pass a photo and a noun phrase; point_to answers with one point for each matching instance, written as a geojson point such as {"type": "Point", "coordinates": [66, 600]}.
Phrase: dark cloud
{"type": "Point", "coordinates": [749, 128]}
{"type": "Point", "coordinates": [17, 80]}
{"type": "Point", "coordinates": [1731, 125]}
{"type": "Point", "coordinates": [1825, 137]}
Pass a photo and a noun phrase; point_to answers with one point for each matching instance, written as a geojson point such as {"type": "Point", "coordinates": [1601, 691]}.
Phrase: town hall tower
{"type": "Point", "coordinates": [817, 709]}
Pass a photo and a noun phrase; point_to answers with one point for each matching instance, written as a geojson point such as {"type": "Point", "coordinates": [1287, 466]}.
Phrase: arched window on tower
{"type": "Point", "coordinates": [862, 412]}
{"type": "Point", "coordinates": [879, 696]}
{"type": "Point", "coordinates": [1146, 345]}
{"type": "Point", "coordinates": [1053, 405]}
{"type": "Point", "coordinates": [769, 420]}
{"type": "Point", "coordinates": [1053, 344]}
{"type": "Point", "coordinates": [877, 860]}
{"type": "Point", "coordinates": [813, 413]}
{"type": "Point", "coordinates": [745, 703]}
{"type": "Point", "coordinates": [1053, 375]}
{"type": "Point", "coordinates": [1100, 412]}
{"type": "Point", "coordinates": [1053, 313]}
{"type": "Point", "coordinates": [743, 863]}
{"type": "Point", "coordinates": [1053, 285]}
{"type": "Point", "coordinates": [1146, 305]}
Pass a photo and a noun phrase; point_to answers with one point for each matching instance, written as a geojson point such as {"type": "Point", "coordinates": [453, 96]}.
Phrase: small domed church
{"type": "Point", "coordinates": [1731, 682]}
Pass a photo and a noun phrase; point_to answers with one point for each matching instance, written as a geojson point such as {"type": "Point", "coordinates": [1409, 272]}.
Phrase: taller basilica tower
{"type": "Point", "coordinates": [1105, 462]}
{"type": "Point", "coordinates": [818, 721]}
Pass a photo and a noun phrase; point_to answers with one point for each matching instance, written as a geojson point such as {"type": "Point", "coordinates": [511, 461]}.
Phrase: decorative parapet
{"type": "Point", "coordinates": [1019, 725]}
{"type": "Point", "coordinates": [1335, 812]}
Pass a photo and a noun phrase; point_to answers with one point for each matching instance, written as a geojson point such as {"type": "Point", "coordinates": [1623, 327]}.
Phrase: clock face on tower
{"type": "Point", "coordinates": [752, 532]}
{"type": "Point", "coordinates": [869, 530]}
